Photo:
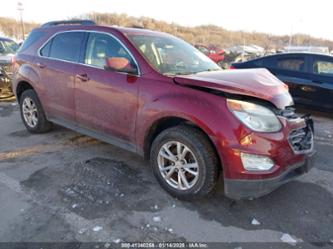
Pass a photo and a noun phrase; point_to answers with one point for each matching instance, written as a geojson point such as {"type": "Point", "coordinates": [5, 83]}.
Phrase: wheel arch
{"type": "Point", "coordinates": [21, 87]}
{"type": "Point", "coordinates": [164, 123]}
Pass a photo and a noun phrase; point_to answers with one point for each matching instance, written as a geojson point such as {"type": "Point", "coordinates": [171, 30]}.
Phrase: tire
{"type": "Point", "coordinates": [37, 123]}
{"type": "Point", "coordinates": [196, 150]}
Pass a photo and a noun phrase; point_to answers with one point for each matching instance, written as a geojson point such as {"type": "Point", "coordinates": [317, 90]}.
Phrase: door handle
{"type": "Point", "coordinates": [308, 89]}
{"type": "Point", "coordinates": [40, 65]}
{"type": "Point", "coordinates": [83, 77]}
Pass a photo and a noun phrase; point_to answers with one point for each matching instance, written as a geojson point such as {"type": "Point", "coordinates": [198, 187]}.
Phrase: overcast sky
{"type": "Point", "coordinates": [312, 17]}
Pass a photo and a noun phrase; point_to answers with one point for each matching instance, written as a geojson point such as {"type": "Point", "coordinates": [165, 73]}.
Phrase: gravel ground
{"type": "Point", "coordinates": [66, 187]}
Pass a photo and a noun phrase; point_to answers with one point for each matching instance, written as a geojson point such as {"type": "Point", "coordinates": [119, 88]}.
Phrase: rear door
{"type": "Point", "coordinates": [57, 62]}
{"type": "Point", "coordinates": [321, 68]}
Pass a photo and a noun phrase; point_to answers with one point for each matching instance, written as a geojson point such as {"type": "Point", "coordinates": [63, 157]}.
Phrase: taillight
{"type": "Point", "coordinates": [13, 62]}
{"type": "Point", "coordinates": [232, 67]}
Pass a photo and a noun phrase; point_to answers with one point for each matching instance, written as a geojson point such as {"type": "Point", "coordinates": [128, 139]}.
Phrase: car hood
{"type": "Point", "coordinates": [258, 83]}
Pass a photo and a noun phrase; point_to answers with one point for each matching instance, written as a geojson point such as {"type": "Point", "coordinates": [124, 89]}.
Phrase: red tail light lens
{"type": "Point", "coordinates": [13, 62]}
{"type": "Point", "coordinates": [232, 67]}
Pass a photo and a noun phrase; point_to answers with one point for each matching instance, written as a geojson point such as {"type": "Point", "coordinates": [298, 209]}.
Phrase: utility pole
{"type": "Point", "coordinates": [20, 9]}
{"type": "Point", "coordinates": [291, 37]}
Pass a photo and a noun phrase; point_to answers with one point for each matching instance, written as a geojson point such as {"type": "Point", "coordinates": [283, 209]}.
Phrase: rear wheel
{"type": "Point", "coordinates": [32, 113]}
{"type": "Point", "coordinates": [184, 162]}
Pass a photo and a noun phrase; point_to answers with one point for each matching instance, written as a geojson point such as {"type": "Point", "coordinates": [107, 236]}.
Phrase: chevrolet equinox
{"type": "Point", "coordinates": [154, 94]}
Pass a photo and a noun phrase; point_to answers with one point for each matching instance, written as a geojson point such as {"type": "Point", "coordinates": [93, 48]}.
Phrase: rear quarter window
{"type": "Point", "coordinates": [45, 51]}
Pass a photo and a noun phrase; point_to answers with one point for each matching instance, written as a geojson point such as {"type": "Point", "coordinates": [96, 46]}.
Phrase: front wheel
{"type": "Point", "coordinates": [184, 162]}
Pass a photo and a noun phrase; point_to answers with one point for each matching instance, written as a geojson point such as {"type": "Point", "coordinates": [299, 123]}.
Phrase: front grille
{"type": "Point", "coordinates": [301, 140]}
{"type": "Point", "coordinates": [5, 80]}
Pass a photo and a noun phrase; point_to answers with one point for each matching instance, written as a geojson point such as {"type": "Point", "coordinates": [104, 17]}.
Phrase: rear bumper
{"type": "Point", "coordinates": [248, 189]}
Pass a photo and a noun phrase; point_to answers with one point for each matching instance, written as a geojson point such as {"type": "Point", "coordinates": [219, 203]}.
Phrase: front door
{"type": "Point", "coordinates": [106, 101]}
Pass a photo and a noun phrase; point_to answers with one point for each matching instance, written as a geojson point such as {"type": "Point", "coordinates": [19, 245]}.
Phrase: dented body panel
{"type": "Point", "coordinates": [257, 83]}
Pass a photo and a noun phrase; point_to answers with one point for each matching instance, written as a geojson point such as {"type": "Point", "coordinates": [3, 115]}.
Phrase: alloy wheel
{"type": "Point", "coordinates": [178, 165]}
{"type": "Point", "coordinates": [30, 113]}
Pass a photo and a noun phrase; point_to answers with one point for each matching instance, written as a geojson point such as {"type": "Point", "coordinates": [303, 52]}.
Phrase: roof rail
{"type": "Point", "coordinates": [68, 22]}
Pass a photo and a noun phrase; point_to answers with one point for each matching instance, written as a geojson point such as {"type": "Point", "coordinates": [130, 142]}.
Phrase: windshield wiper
{"type": "Point", "coordinates": [211, 70]}
{"type": "Point", "coordinates": [188, 73]}
{"type": "Point", "coordinates": [179, 73]}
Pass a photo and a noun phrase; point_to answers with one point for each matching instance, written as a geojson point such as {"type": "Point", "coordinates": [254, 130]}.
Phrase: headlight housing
{"type": "Point", "coordinates": [255, 117]}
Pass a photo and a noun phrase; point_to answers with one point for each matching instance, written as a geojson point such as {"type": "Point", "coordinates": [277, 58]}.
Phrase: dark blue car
{"type": "Point", "coordinates": [308, 75]}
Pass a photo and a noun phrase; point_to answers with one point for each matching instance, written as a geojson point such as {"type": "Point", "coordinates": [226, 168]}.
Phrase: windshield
{"type": "Point", "coordinates": [8, 47]}
{"type": "Point", "coordinates": [172, 56]}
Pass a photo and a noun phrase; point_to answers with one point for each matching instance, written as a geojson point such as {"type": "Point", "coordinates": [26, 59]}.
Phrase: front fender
{"type": "Point", "coordinates": [208, 112]}
{"type": "Point", "coordinates": [178, 106]}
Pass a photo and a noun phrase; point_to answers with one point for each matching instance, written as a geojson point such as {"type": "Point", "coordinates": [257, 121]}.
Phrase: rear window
{"type": "Point", "coordinates": [32, 38]}
{"type": "Point", "coordinates": [65, 46]}
{"type": "Point", "coordinates": [291, 64]}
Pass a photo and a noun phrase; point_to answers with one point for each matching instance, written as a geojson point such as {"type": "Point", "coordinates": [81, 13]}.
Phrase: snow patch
{"type": "Point", "coordinates": [286, 238]}
{"type": "Point", "coordinates": [157, 219]}
{"type": "Point", "coordinates": [117, 241]}
{"type": "Point", "coordinates": [255, 222]}
{"type": "Point", "coordinates": [97, 228]}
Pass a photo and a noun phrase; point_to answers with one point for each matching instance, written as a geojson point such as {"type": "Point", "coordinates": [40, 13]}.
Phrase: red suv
{"type": "Point", "coordinates": [153, 94]}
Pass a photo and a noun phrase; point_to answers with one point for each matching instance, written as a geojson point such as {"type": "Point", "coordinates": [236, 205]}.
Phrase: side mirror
{"type": "Point", "coordinates": [120, 64]}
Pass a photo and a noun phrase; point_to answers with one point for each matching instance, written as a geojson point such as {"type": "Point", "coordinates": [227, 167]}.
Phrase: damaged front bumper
{"type": "Point", "coordinates": [5, 81]}
{"type": "Point", "coordinates": [300, 140]}
{"type": "Point", "coordinates": [248, 189]}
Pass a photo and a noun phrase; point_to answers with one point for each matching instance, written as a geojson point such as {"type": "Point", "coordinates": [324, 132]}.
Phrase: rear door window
{"type": "Point", "coordinates": [296, 64]}
{"type": "Point", "coordinates": [65, 46]}
{"type": "Point", "coordinates": [323, 67]}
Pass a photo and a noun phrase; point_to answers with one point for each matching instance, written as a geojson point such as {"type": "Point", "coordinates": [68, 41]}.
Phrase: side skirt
{"type": "Point", "coordinates": [99, 135]}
